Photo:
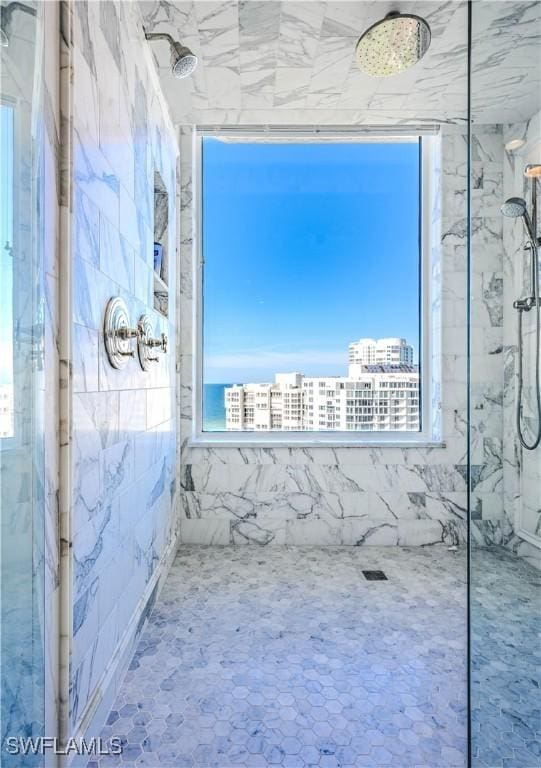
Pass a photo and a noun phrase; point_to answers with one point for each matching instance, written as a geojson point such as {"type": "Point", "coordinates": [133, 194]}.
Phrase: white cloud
{"type": "Point", "coordinates": [277, 361]}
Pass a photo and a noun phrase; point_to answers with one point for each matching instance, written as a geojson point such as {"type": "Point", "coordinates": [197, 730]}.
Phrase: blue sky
{"type": "Point", "coordinates": [307, 247]}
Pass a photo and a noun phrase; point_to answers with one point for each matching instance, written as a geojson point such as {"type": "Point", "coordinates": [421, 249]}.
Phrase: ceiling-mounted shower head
{"type": "Point", "coordinates": [393, 44]}
{"type": "Point", "coordinates": [515, 207]}
{"type": "Point", "coordinates": [183, 61]}
{"type": "Point", "coordinates": [6, 12]}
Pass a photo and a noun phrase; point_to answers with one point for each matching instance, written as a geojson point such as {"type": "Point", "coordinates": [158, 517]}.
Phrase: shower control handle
{"type": "Point", "coordinates": [161, 343]}
{"type": "Point", "coordinates": [147, 342]}
{"type": "Point", "coordinates": [127, 333]}
{"type": "Point", "coordinates": [526, 304]}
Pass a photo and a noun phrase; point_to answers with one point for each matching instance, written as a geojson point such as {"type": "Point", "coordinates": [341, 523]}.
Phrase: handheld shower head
{"type": "Point", "coordinates": [514, 208]}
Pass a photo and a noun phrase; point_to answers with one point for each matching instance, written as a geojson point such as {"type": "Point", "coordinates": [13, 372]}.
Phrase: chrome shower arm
{"type": "Point", "coordinates": [8, 10]}
{"type": "Point", "coordinates": [159, 36]}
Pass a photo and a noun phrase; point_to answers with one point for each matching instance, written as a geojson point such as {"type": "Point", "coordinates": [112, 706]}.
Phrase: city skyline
{"type": "Point", "coordinates": [303, 245]}
{"type": "Point", "coordinates": [374, 396]}
{"type": "Point", "coordinates": [380, 392]}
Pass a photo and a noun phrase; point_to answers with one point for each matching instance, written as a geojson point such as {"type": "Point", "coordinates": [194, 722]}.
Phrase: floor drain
{"type": "Point", "coordinates": [374, 576]}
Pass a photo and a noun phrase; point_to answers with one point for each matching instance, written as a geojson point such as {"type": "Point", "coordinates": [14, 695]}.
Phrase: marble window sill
{"type": "Point", "coordinates": [219, 442]}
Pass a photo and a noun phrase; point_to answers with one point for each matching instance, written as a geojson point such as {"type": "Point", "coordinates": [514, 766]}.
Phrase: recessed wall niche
{"type": "Point", "coordinates": [161, 237]}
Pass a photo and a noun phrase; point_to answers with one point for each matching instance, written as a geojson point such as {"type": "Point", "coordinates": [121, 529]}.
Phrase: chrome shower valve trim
{"type": "Point", "coordinates": [146, 342]}
{"type": "Point", "coordinates": [117, 332]}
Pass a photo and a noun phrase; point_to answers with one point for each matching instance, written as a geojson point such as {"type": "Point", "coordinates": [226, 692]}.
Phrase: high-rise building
{"type": "Point", "coordinates": [262, 407]}
{"type": "Point", "coordinates": [389, 351]}
{"type": "Point", "coordinates": [373, 397]}
{"type": "Point", "coordinates": [385, 398]}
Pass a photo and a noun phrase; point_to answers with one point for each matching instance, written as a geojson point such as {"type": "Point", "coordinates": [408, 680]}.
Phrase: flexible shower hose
{"type": "Point", "coordinates": [537, 440]}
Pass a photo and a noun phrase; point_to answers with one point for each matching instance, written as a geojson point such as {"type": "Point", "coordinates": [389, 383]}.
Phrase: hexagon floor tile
{"type": "Point", "coordinates": [289, 657]}
{"type": "Point", "coordinates": [506, 660]}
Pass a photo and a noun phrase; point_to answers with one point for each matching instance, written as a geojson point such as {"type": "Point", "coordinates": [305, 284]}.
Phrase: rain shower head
{"type": "Point", "coordinates": [514, 208]}
{"type": "Point", "coordinates": [183, 61]}
{"type": "Point", "coordinates": [393, 44]}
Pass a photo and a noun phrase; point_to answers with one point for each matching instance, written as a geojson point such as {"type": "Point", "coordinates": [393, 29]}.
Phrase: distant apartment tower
{"type": "Point", "coordinates": [390, 351]}
{"type": "Point", "coordinates": [371, 398]}
{"type": "Point", "coordinates": [379, 399]}
{"type": "Point", "coordinates": [265, 407]}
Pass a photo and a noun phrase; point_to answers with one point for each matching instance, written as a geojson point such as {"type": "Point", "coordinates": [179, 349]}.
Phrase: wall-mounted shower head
{"type": "Point", "coordinates": [183, 61]}
{"type": "Point", "coordinates": [515, 207]}
{"type": "Point", "coordinates": [6, 12]}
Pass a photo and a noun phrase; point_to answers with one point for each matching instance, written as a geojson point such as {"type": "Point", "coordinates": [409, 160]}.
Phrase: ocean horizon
{"type": "Point", "coordinates": [214, 407]}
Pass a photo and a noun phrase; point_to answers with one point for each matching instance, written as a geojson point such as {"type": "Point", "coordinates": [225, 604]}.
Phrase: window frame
{"type": "Point", "coordinates": [429, 243]}
{"type": "Point", "coordinates": [13, 441]}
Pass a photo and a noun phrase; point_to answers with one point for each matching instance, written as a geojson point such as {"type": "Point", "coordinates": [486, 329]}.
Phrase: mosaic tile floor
{"type": "Point", "coordinates": [257, 657]}
{"type": "Point", "coordinates": [506, 653]}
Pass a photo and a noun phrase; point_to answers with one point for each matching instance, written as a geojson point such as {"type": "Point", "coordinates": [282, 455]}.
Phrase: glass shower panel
{"type": "Point", "coordinates": [505, 469]}
{"type": "Point", "coordinates": [21, 385]}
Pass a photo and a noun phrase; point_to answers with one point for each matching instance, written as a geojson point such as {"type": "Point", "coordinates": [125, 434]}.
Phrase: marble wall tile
{"type": "Point", "coordinates": [117, 256]}
{"type": "Point", "coordinates": [123, 437]}
{"type": "Point", "coordinates": [342, 20]}
{"type": "Point", "coordinates": [94, 175]}
{"type": "Point", "coordinates": [215, 532]}
{"type": "Point", "coordinates": [308, 532]}
{"type": "Point", "coordinates": [85, 359]}
{"type": "Point", "coordinates": [224, 86]}
{"type": "Point", "coordinates": [291, 86]}
{"type": "Point", "coordinates": [487, 363]}
{"type": "Point", "coordinates": [299, 27]}
{"type": "Point", "coordinates": [333, 60]}
{"type": "Point", "coordinates": [259, 22]}
{"type": "Point", "coordinates": [87, 232]}
{"type": "Point", "coordinates": [91, 291]}
{"type": "Point", "coordinates": [218, 22]}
